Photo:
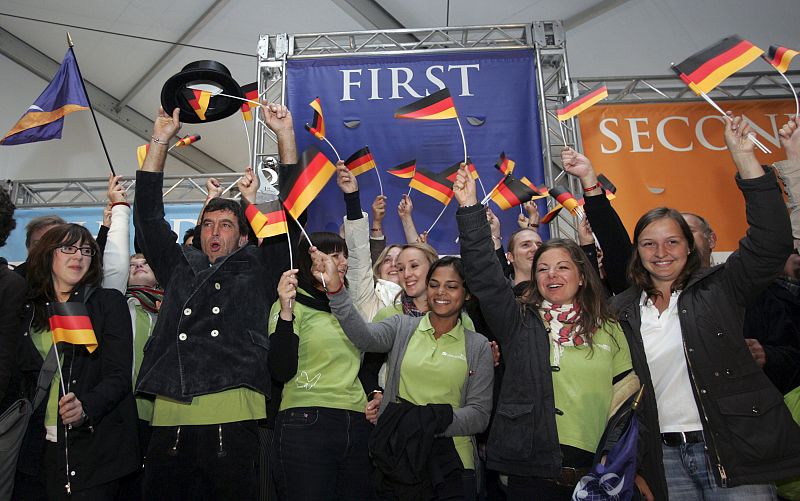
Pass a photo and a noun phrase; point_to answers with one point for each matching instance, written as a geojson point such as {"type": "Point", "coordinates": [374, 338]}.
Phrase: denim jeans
{"type": "Point", "coordinates": [202, 462]}
{"type": "Point", "coordinates": [688, 477]}
{"type": "Point", "coordinates": [321, 454]}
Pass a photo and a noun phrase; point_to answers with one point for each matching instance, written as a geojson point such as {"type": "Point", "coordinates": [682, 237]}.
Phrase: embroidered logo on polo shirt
{"type": "Point", "coordinates": [459, 356]}
{"type": "Point", "coordinates": [308, 383]}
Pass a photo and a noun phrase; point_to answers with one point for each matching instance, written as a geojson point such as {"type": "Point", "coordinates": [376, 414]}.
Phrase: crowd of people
{"type": "Point", "coordinates": [380, 370]}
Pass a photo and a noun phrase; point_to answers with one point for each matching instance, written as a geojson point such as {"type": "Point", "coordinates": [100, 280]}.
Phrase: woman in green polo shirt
{"type": "Point", "coordinates": [433, 359]}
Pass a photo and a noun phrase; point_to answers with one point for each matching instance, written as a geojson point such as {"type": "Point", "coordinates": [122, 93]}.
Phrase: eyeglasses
{"type": "Point", "coordinates": [71, 249]}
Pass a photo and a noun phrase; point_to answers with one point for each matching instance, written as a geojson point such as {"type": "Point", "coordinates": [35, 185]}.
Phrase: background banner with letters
{"type": "Point", "coordinates": [496, 98]}
{"type": "Point", "coordinates": [674, 154]}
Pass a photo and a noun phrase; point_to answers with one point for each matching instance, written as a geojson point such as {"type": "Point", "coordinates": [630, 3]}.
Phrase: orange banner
{"type": "Point", "coordinates": [674, 155]}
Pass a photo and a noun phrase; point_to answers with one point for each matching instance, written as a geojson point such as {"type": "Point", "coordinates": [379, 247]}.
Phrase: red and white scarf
{"type": "Point", "coordinates": [560, 320]}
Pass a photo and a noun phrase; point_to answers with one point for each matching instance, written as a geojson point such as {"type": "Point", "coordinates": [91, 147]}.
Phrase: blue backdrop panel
{"type": "Point", "coordinates": [494, 90]}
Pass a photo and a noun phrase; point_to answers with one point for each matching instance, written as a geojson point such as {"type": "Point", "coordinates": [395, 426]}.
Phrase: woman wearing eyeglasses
{"type": "Point", "coordinates": [82, 439]}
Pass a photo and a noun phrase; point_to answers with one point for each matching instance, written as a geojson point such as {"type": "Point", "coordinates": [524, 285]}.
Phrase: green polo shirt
{"type": "Point", "coordinates": [434, 371]}
{"type": "Point", "coordinates": [327, 362]}
{"type": "Point", "coordinates": [229, 406]}
{"type": "Point", "coordinates": [397, 309]}
{"type": "Point", "coordinates": [583, 386]}
{"type": "Point", "coordinates": [143, 327]}
{"type": "Point", "coordinates": [43, 340]}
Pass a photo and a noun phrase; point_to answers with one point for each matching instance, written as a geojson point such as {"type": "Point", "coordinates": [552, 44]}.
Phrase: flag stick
{"type": "Point", "coordinates": [291, 256]}
{"type": "Point", "coordinates": [247, 135]}
{"type": "Point", "coordinates": [91, 108]}
{"type": "Point", "coordinates": [58, 364]}
{"type": "Point", "coordinates": [338, 158]}
{"type": "Point", "coordinates": [463, 141]}
{"type": "Point", "coordinates": [409, 191]}
{"type": "Point", "coordinates": [561, 128]}
{"type": "Point", "coordinates": [438, 217]}
{"type": "Point", "coordinates": [794, 92]}
{"type": "Point", "coordinates": [302, 230]}
{"type": "Point", "coordinates": [750, 136]}
{"type": "Point", "coordinates": [380, 184]}
{"type": "Point", "coordinates": [67, 486]}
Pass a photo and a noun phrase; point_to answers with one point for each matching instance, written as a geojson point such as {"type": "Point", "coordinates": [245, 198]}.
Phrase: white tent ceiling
{"type": "Point", "coordinates": [604, 37]}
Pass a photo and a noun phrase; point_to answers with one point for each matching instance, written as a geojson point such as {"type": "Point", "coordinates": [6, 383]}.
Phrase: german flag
{"type": "Point", "coordinates": [198, 100]}
{"type": "Point", "coordinates": [509, 193]}
{"type": "Point", "coordinates": [437, 106]}
{"type": "Point", "coordinates": [551, 215]}
{"type": "Point", "coordinates": [608, 187]}
{"type": "Point", "coordinates": [317, 126]}
{"type": "Point", "coordinates": [186, 141]}
{"type": "Point", "coordinates": [70, 323]}
{"type": "Point", "coordinates": [583, 102]}
{"type": "Point", "coordinates": [306, 180]}
{"type": "Point", "coordinates": [267, 219]}
{"type": "Point", "coordinates": [405, 170]}
{"type": "Point", "coordinates": [249, 91]}
{"type": "Point", "coordinates": [505, 164]}
{"type": "Point", "coordinates": [564, 198]}
{"type": "Point", "coordinates": [541, 192]}
{"type": "Point", "coordinates": [780, 57]}
{"type": "Point", "coordinates": [433, 185]}
{"type": "Point", "coordinates": [709, 67]}
{"type": "Point", "coordinates": [451, 172]}
{"type": "Point", "coordinates": [141, 153]}
{"type": "Point", "coordinates": [360, 161]}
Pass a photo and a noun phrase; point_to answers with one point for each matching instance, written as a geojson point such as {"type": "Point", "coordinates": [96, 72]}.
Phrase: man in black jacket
{"type": "Point", "coordinates": [206, 361]}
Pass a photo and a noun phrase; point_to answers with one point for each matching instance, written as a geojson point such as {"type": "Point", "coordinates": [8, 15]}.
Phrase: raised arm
{"type": "Point", "coordinates": [405, 209]}
{"type": "Point", "coordinates": [117, 254]}
{"type": "Point", "coordinates": [763, 251]}
{"type": "Point", "coordinates": [789, 170]}
{"type": "Point", "coordinates": [279, 119]}
{"type": "Point", "coordinates": [484, 273]}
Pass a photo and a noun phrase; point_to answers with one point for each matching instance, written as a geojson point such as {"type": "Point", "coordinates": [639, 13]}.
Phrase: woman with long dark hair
{"type": "Point", "coordinates": [85, 435]}
{"type": "Point", "coordinates": [563, 351]}
{"type": "Point", "coordinates": [433, 359]}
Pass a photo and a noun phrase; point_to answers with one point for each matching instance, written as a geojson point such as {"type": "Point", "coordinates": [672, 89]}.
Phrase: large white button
{"type": "Point", "coordinates": [26, 334]}
{"type": "Point", "coordinates": [182, 336]}
{"type": "Point", "coordinates": [72, 473]}
{"type": "Point", "coordinates": [214, 333]}
{"type": "Point", "coordinates": [215, 310]}
{"type": "Point", "coordinates": [217, 286]}
{"type": "Point", "coordinates": [187, 311]}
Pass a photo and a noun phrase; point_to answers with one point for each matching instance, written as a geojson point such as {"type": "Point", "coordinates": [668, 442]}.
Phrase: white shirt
{"type": "Point", "coordinates": [663, 345]}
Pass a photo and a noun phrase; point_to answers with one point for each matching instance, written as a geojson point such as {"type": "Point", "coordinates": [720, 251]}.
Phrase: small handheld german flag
{"type": "Point", "coordinates": [451, 172]}
{"type": "Point", "coordinates": [541, 192]}
{"type": "Point", "coordinates": [780, 57]}
{"type": "Point", "coordinates": [70, 323]}
{"type": "Point", "coordinates": [306, 180]}
{"type": "Point", "coordinates": [198, 100]}
{"type": "Point", "coordinates": [360, 161]}
{"type": "Point", "coordinates": [505, 165]}
{"type": "Point", "coordinates": [432, 184]}
{"type": "Point", "coordinates": [317, 126]}
{"type": "Point", "coordinates": [582, 103]}
{"type": "Point", "coordinates": [567, 200]}
{"type": "Point", "coordinates": [405, 170]}
{"type": "Point", "coordinates": [608, 187]}
{"type": "Point", "coordinates": [510, 192]}
{"type": "Point", "coordinates": [141, 153]}
{"type": "Point", "coordinates": [186, 141]}
{"type": "Point", "coordinates": [267, 219]}
{"type": "Point", "coordinates": [547, 218]}
{"type": "Point", "coordinates": [711, 66]}
{"type": "Point", "coordinates": [437, 106]}
{"type": "Point", "coordinates": [249, 91]}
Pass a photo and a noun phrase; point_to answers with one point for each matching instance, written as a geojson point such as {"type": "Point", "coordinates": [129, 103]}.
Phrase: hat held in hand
{"type": "Point", "coordinates": [201, 90]}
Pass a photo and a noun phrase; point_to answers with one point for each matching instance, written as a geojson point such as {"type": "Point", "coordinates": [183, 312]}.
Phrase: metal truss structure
{"type": "Point", "coordinates": [547, 40]}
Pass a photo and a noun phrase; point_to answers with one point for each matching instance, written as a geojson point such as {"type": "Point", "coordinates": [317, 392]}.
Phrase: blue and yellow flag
{"type": "Point", "coordinates": [45, 117]}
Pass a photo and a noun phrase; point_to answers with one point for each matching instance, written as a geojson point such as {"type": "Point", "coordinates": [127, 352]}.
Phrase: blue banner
{"type": "Point", "coordinates": [181, 217]}
{"type": "Point", "coordinates": [494, 94]}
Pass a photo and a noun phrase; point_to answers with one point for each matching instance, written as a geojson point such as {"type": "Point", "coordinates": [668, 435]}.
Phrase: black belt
{"type": "Point", "coordinates": [571, 476]}
{"type": "Point", "coordinates": [677, 438]}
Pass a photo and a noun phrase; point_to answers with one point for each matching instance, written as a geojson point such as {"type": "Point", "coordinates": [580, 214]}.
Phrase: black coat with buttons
{"type": "Point", "coordinates": [105, 446]}
{"type": "Point", "coordinates": [750, 435]}
{"type": "Point", "coordinates": [211, 334]}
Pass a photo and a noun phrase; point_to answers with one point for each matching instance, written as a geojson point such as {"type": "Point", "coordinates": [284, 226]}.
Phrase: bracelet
{"type": "Point", "coordinates": [158, 141]}
{"type": "Point", "coordinates": [337, 291]}
{"type": "Point", "coordinates": [372, 394]}
{"type": "Point", "coordinates": [376, 229]}
{"type": "Point", "coordinates": [593, 187]}
{"type": "Point", "coordinates": [533, 225]}
{"type": "Point", "coordinates": [126, 204]}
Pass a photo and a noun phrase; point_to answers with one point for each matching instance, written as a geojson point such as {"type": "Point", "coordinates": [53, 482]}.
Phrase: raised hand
{"type": "Point", "coordinates": [378, 210]}
{"type": "Point", "coordinates": [165, 126]}
{"type": "Point", "coordinates": [345, 179]}
{"type": "Point", "coordinates": [248, 185]}
{"type": "Point", "coordinates": [287, 291]}
{"type": "Point", "coordinates": [741, 148]}
{"type": "Point", "coordinates": [116, 193]}
{"type": "Point", "coordinates": [494, 226]}
{"type": "Point", "coordinates": [277, 117]}
{"type": "Point", "coordinates": [213, 188]}
{"type": "Point", "coordinates": [107, 215]}
{"type": "Point", "coordinates": [324, 269]}
{"type": "Point", "coordinates": [578, 165]}
{"type": "Point", "coordinates": [790, 138]}
{"type": "Point", "coordinates": [533, 213]}
{"type": "Point", "coordinates": [405, 208]}
{"type": "Point", "coordinates": [464, 188]}
{"type": "Point", "coordinates": [585, 236]}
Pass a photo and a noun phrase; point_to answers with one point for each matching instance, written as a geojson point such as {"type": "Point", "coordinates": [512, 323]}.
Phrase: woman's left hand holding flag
{"type": "Point", "coordinates": [464, 188]}
{"type": "Point", "coordinates": [71, 410]}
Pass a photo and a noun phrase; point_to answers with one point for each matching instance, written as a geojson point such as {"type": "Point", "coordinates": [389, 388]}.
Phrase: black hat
{"type": "Point", "coordinates": [175, 93]}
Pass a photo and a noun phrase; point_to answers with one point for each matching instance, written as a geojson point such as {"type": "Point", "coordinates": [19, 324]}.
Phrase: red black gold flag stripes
{"type": "Point", "coordinates": [405, 170]}
{"type": "Point", "coordinates": [70, 323]}
{"type": "Point", "coordinates": [608, 187]}
{"type": "Point", "coordinates": [267, 219]}
{"type": "Point", "coordinates": [360, 161]}
{"type": "Point", "coordinates": [186, 141]}
{"type": "Point", "coordinates": [306, 181]}
{"type": "Point", "coordinates": [451, 172]}
{"type": "Point", "coordinates": [505, 164]}
{"type": "Point", "coordinates": [249, 91]}
{"type": "Point", "coordinates": [780, 57]}
{"type": "Point", "coordinates": [437, 106]}
{"type": "Point", "coordinates": [199, 100]}
{"type": "Point", "coordinates": [711, 66]}
{"type": "Point", "coordinates": [510, 193]}
{"type": "Point", "coordinates": [141, 153]}
{"type": "Point", "coordinates": [564, 198]}
{"type": "Point", "coordinates": [541, 192]}
{"type": "Point", "coordinates": [581, 103]}
{"type": "Point", "coordinates": [433, 185]}
{"type": "Point", "coordinates": [317, 126]}
{"type": "Point", "coordinates": [551, 215]}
